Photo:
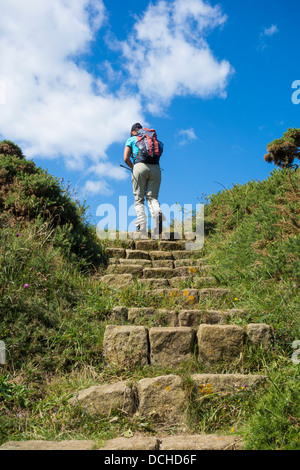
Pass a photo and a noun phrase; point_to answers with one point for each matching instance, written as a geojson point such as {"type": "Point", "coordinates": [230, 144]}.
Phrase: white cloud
{"type": "Point", "coordinates": [270, 31]}
{"type": "Point", "coordinates": [53, 105]}
{"type": "Point", "coordinates": [168, 54]}
{"type": "Point", "coordinates": [187, 136]}
{"type": "Point", "coordinates": [107, 170]}
{"type": "Point", "coordinates": [267, 33]}
{"type": "Point", "coordinates": [55, 108]}
{"type": "Point", "coordinates": [93, 188]}
{"type": "Point", "coordinates": [103, 170]}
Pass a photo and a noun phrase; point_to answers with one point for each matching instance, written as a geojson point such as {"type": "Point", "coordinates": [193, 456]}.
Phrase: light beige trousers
{"type": "Point", "coordinates": [146, 179]}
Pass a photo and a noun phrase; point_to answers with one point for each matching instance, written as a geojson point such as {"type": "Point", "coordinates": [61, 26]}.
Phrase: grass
{"type": "Point", "coordinates": [53, 315]}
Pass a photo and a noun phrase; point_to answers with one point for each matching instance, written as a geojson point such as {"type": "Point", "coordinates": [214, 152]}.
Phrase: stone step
{"type": "Point", "coordinates": [155, 282]}
{"type": "Point", "coordinates": [147, 272]}
{"type": "Point", "coordinates": [71, 444]}
{"type": "Point", "coordinates": [192, 296]}
{"type": "Point", "coordinates": [130, 346]}
{"type": "Point", "coordinates": [163, 273]}
{"type": "Point", "coordinates": [171, 245]}
{"type": "Point", "coordinates": [118, 281]}
{"type": "Point", "coordinates": [191, 270]}
{"type": "Point", "coordinates": [115, 252]}
{"type": "Point", "coordinates": [141, 262]}
{"type": "Point", "coordinates": [165, 263]}
{"type": "Point", "coordinates": [134, 269]}
{"type": "Point", "coordinates": [139, 442]}
{"type": "Point", "coordinates": [189, 262]}
{"type": "Point", "coordinates": [146, 245]}
{"type": "Point", "coordinates": [164, 287]}
{"type": "Point", "coordinates": [202, 442]}
{"type": "Point", "coordinates": [179, 442]}
{"type": "Point", "coordinates": [156, 255]}
{"type": "Point", "coordinates": [137, 254]}
{"type": "Point", "coordinates": [142, 316]}
{"type": "Point", "coordinates": [186, 254]}
{"type": "Point", "coordinates": [181, 281]}
{"type": "Point", "coordinates": [163, 398]}
{"type": "Point", "coordinates": [180, 257]}
{"type": "Point", "coordinates": [166, 235]}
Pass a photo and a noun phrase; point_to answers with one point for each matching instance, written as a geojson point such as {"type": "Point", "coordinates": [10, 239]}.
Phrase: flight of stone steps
{"type": "Point", "coordinates": [166, 337]}
{"type": "Point", "coordinates": [183, 332]}
{"type": "Point", "coordinates": [156, 263]}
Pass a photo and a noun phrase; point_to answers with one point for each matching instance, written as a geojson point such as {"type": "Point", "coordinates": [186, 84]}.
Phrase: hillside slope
{"type": "Point", "coordinates": [53, 312]}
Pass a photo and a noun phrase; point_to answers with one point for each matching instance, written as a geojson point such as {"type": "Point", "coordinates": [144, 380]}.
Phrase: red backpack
{"type": "Point", "coordinates": [150, 149]}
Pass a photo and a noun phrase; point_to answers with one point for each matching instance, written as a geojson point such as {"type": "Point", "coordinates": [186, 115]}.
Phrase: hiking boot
{"type": "Point", "coordinates": [141, 229]}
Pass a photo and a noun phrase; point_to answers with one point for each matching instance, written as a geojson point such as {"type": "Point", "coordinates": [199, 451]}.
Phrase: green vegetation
{"type": "Point", "coordinates": [53, 311]}
{"type": "Point", "coordinates": [282, 152]}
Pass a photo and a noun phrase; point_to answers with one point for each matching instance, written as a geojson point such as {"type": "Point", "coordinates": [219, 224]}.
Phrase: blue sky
{"type": "Point", "coordinates": [214, 79]}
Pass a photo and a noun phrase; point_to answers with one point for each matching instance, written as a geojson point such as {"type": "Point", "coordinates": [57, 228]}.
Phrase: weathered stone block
{"type": "Point", "coordinates": [205, 442]}
{"type": "Point", "coordinates": [113, 252]}
{"type": "Point", "coordinates": [183, 254]}
{"type": "Point", "coordinates": [134, 269]}
{"type": "Point", "coordinates": [137, 254]}
{"type": "Point", "coordinates": [178, 263]}
{"type": "Point", "coordinates": [213, 317]}
{"type": "Point", "coordinates": [139, 314]}
{"type": "Point", "coordinates": [119, 314]}
{"type": "Point", "coordinates": [194, 318]}
{"type": "Point", "coordinates": [191, 318]}
{"type": "Point", "coordinates": [178, 281]}
{"type": "Point", "coordinates": [259, 334]}
{"type": "Point", "coordinates": [220, 342]}
{"type": "Point", "coordinates": [71, 444]}
{"type": "Point", "coordinates": [205, 384]}
{"type": "Point", "coordinates": [185, 296]}
{"type": "Point", "coordinates": [133, 443]}
{"type": "Point", "coordinates": [146, 245]}
{"type": "Point", "coordinates": [160, 255]}
{"type": "Point", "coordinates": [170, 246]}
{"type": "Point", "coordinates": [168, 317]}
{"type": "Point", "coordinates": [158, 273]}
{"type": "Point", "coordinates": [171, 345]}
{"type": "Point", "coordinates": [163, 399]}
{"type": "Point", "coordinates": [117, 280]}
{"type": "Point", "coordinates": [138, 261]}
{"type": "Point", "coordinates": [101, 399]}
{"type": "Point", "coordinates": [126, 346]}
{"type": "Point", "coordinates": [188, 270]}
{"type": "Point", "coordinates": [163, 263]}
{"type": "Point", "coordinates": [155, 283]}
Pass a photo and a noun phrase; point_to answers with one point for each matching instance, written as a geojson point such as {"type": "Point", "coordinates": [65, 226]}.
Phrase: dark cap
{"type": "Point", "coordinates": [136, 126]}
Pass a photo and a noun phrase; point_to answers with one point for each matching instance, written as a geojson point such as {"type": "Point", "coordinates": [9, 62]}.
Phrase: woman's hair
{"type": "Point", "coordinates": [136, 127]}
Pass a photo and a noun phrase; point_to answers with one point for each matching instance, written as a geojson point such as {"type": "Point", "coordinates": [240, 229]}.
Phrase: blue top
{"type": "Point", "coordinates": [134, 149]}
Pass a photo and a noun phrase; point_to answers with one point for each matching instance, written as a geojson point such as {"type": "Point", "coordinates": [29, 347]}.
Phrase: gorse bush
{"type": "Point", "coordinates": [40, 291]}
{"type": "Point", "coordinates": [46, 250]}
{"type": "Point", "coordinates": [283, 151]}
{"type": "Point", "coordinates": [28, 193]}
